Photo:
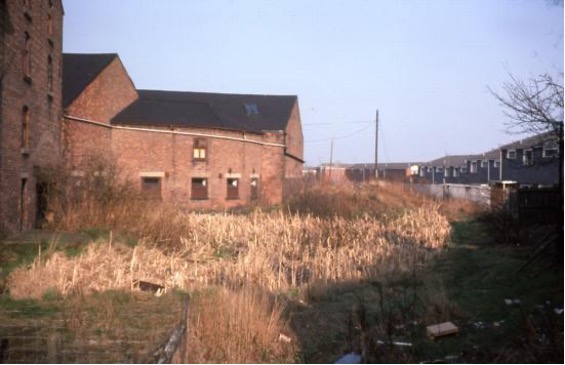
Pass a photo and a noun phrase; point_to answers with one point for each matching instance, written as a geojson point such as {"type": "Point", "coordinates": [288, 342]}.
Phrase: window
{"type": "Point", "coordinates": [422, 172]}
{"type": "Point", "coordinates": [151, 187]}
{"type": "Point", "coordinates": [233, 188]}
{"type": "Point", "coordinates": [511, 154]}
{"type": "Point", "coordinates": [446, 172]}
{"type": "Point", "coordinates": [26, 59]}
{"type": "Point", "coordinates": [199, 188]}
{"type": "Point", "coordinates": [550, 152]}
{"type": "Point", "coordinates": [50, 25]}
{"type": "Point", "coordinates": [430, 169]}
{"type": "Point", "coordinates": [439, 169]}
{"type": "Point", "coordinates": [463, 169]}
{"type": "Point", "coordinates": [484, 164]}
{"type": "Point", "coordinates": [496, 164]}
{"type": "Point", "coordinates": [27, 9]}
{"type": "Point", "coordinates": [199, 149]}
{"type": "Point", "coordinates": [254, 188]}
{"type": "Point", "coordinates": [24, 138]}
{"type": "Point", "coordinates": [528, 157]}
{"type": "Point", "coordinates": [473, 167]}
{"type": "Point", "coordinates": [455, 172]}
{"type": "Point", "coordinates": [251, 108]}
{"type": "Point", "coordinates": [49, 74]}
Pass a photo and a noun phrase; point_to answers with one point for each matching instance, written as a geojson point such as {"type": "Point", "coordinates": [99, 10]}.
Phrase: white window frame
{"type": "Point", "coordinates": [511, 154]}
{"type": "Point", "coordinates": [528, 157]}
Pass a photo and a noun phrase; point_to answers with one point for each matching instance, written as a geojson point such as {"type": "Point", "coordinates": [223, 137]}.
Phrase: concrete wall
{"type": "Point", "coordinates": [477, 193]}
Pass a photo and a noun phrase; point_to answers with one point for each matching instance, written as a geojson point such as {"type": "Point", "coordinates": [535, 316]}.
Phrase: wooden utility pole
{"type": "Point", "coordinates": [331, 158]}
{"type": "Point", "coordinates": [377, 144]}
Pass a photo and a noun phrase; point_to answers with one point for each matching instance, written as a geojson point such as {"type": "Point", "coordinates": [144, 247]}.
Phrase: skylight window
{"type": "Point", "coordinates": [251, 108]}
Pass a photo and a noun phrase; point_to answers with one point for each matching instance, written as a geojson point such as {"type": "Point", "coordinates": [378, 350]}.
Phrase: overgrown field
{"type": "Point", "coordinates": [338, 270]}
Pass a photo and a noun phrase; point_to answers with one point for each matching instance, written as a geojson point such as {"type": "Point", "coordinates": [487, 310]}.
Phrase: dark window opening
{"type": "Point", "coordinates": [254, 188]}
{"type": "Point", "coordinates": [233, 188]}
{"type": "Point", "coordinates": [42, 203]}
{"type": "Point", "coordinates": [151, 187]}
{"type": "Point", "coordinates": [24, 138]}
{"type": "Point", "coordinates": [550, 152]}
{"type": "Point", "coordinates": [528, 157]}
{"type": "Point", "coordinates": [200, 150]}
{"type": "Point", "coordinates": [49, 74]}
{"type": "Point", "coordinates": [26, 59]}
{"type": "Point", "coordinates": [199, 189]}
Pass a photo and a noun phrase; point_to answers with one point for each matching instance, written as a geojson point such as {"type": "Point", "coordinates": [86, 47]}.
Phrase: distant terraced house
{"type": "Point", "coordinates": [198, 150]}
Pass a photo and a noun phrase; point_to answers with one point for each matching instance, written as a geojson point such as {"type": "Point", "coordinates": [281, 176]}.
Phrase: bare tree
{"type": "Point", "coordinates": [536, 107]}
{"type": "Point", "coordinates": [533, 107]}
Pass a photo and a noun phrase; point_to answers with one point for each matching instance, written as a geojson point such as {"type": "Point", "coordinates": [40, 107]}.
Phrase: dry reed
{"type": "Point", "coordinates": [274, 250]}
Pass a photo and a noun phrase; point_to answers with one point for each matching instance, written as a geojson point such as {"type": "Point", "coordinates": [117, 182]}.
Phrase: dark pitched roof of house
{"type": "Point", "coordinates": [79, 70]}
{"type": "Point", "coordinates": [459, 160]}
{"type": "Point", "coordinates": [385, 165]}
{"type": "Point", "coordinates": [253, 113]}
{"type": "Point", "coordinates": [547, 139]}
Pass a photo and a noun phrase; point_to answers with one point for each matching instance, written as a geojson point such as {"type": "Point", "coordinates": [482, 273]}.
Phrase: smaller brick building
{"type": "Point", "coordinates": [198, 150]}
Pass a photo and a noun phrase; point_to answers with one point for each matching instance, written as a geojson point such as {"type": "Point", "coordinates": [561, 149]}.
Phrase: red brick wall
{"type": "Point", "coordinates": [150, 153]}
{"type": "Point", "coordinates": [17, 207]}
{"type": "Point", "coordinates": [295, 148]}
{"type": "Point", "coordinates": [109, 93]}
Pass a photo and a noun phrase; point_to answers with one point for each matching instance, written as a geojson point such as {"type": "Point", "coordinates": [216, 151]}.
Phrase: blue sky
{"type": "Point", "coordinates": [426, 65]}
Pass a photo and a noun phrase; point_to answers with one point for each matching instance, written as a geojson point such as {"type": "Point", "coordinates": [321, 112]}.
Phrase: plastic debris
{"type": "Point", "coordinates": [350, 358]}
{"type": "Point", "coordinates": [512, 301]}
{"type": "Point", "coordinates": [558, 310]}
{"type": "Point", "coordinates": [285, 338]}
{"type": "Point", "coordinates": [396, 343]}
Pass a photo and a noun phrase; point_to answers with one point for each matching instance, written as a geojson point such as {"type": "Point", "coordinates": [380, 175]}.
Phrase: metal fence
{"type": "Point", "coordinates": [136, 332]}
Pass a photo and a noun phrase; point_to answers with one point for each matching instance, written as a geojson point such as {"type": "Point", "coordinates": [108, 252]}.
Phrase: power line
{"type": "Point", "coordinates": [340, 137]}
{"type": "Point", "coordinates": [336, 123]}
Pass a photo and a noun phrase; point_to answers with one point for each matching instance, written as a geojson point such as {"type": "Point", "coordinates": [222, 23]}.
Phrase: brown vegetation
{"type": "Point", "coordinates": [241, 263]}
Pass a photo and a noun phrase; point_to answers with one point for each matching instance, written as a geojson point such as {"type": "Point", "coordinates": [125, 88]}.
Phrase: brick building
{"type": "Point", "coordinates": [198, 150]}
{"type": "Point", "coordinates": [30, 108]}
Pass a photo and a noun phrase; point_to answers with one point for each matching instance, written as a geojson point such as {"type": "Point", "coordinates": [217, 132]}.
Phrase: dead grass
{"type": "Point", "coordinates": [274, 250]}
{"type": "Point", "coordinates": [347, 234]}
{"type": "Point", "coordinates": [238, 327]}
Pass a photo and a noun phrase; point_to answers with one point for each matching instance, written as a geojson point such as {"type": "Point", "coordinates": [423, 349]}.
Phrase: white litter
{"type": "Point", "coordinates": [284, 338]}
{"type": "Point", "coordinates": [397, 343]}
{"type": "Point", "coordinates": [350, 358]}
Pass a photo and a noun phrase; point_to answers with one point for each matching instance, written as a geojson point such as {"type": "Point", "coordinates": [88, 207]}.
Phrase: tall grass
{"type": "Point", "coordinates": [326, 236]}
{"type": "Point", "coordinates": [273, 250]}
{"type": "Point", "coordinates": [238, 327]}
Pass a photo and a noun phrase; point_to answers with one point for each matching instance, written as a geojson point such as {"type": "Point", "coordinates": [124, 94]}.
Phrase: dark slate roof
{"type": "Point", "coordinates": [253, 113]}
{"type": "Point", "coordinates": [79, 70]}
{"type": "Point", "coordinates": [385, 165]}
{"type": "Point", "coordinates": [547, 139]}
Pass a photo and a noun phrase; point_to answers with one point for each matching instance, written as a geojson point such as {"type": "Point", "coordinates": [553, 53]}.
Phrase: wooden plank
{"type": "Point", "coordinates": [441, 329]}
